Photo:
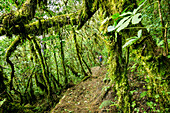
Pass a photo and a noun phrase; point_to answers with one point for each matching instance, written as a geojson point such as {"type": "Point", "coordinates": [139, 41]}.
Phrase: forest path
{"type": "Point", "coordinates": [87, 96]}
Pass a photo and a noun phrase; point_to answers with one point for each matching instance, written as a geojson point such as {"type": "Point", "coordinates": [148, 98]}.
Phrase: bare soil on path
{"type": "Point", "coordinates": [87, 96]}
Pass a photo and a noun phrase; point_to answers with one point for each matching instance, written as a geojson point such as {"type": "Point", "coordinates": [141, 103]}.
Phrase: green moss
{"type": "Point", "coordinates": [43, 65]}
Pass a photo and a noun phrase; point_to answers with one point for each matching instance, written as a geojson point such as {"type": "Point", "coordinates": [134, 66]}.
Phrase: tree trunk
{"type": "Point", "coordinates": [62, 59]}
{"type": "Point", "coordinates": [78, 53]}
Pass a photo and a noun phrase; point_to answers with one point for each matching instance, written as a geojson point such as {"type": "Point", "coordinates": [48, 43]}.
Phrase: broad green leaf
{"type": "Point", "coordinates": [134, 11]}
{"type": "Point", "coordinates": [124, 25]}
{"type": "Point", "coordinates": [134, 37]}
{"type": "Point", "coordinates": [147, 79]}
{"type": "Point", "coordinates": [128, 13]}
{"type": "Point", "coordinates": [143, 94]}
{"type": "Point", "coordinates": [139, 33]}
{"type": "Point", "coordinates": [148, 28]}
{"type": "Point", "coordinates": [130, 42]}
{"type": "Point", "coordinates": [111, 28]}
{"type": "Point", "coordinates": [136, 19]}
{"type": "Point", "coordinates": [44, 39]}
{"type": "Point", "coordinates": [122, 21]}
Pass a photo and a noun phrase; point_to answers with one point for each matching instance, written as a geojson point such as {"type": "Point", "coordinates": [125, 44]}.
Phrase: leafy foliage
{"type": "Point", "coordinates": [132, 40]}
{"type": "Point", "coordinates": [37, 70]}
{"type": "Point", "coordinates": [123, 23]}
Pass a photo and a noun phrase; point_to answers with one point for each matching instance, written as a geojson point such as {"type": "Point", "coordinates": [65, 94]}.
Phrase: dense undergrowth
{"type": "Point", "coordinates": [49, 56]}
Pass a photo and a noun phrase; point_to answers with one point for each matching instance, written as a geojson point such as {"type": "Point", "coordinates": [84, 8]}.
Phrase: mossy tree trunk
{"type": "Point", "coordinates": [43, 66]}
{"type": "Point", "coordinates": [18, 23]}
{"type": "Point", "coordinates": [63, 60]}
{"type": "Point", "coordinates": [56, 64]}
{"type": "Point", "coordinates": [117, 64]}
{"type": "Point", "coordinates": [157, 66]}
{"type": "Point", "coordinates": [78, 53]}
{"type": "Point", "coordinates": [2, 84]}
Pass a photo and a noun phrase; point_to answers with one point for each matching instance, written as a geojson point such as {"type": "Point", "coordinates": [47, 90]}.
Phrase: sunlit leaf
{"type": "Point", "coordinates": [134, 11]}
{"type": "Point", "coordinates": [139, 33]}
{"type": "Point", "coordinates": [130, 42]}
{"type": "Point", "coordinates": [124, 25]}
{"type": "Point", "coordinates": [168, 93]}
{"type": "Point", "coordinates": [148, 28]}
{"type": "Point", "coordinates": [111, 28]}
{"type": "Point", "coordinates": [136, 19]}
{"type": "Point", "coordinates": [134, 37]}
{"type": "Point", "coordinates": [122, 21]}
{"type": "Point", "coordinates": [136, 109]}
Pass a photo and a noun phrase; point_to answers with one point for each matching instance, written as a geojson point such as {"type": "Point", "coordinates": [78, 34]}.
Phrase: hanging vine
{"type": "Point", "coordinates": [43, 66]}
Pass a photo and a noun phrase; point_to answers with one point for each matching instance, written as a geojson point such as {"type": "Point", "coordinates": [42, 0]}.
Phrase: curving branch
{"type": "Point", "coordinates": [43, 66]}
{"type": "Point", "coordinates": [10, 50]}
{"type": "Point", "coordinates": [22, 16]}
{"type": "Point", "coordinates": [78, 18]}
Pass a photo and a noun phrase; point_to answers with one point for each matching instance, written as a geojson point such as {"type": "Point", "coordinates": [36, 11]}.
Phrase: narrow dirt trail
{"type": "Point", "coordinates": [87, 96]}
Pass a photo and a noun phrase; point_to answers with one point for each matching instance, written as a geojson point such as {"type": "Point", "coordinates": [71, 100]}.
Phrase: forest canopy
{"type": "Point", "coordinates": [48, 46]}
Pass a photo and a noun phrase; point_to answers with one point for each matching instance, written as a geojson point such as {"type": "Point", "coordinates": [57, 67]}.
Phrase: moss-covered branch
{"type": "Point", "coordinates": [78, 18]}
{"type": "Point", "coordinates": [20, 17]}
{"type": "Point", "coordinates": [10, 50]}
